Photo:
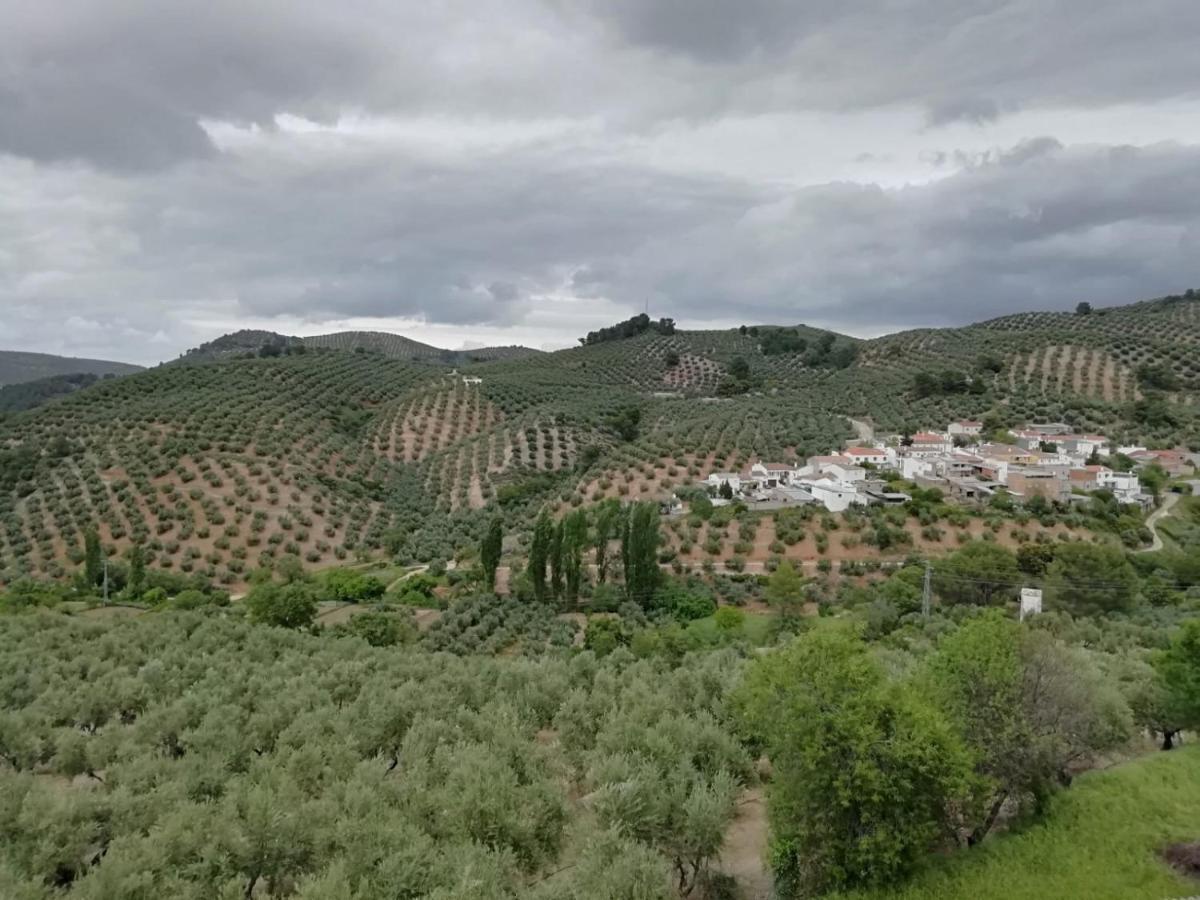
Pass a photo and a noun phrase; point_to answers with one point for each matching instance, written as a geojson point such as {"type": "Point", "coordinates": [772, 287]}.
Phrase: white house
{"type": "Point", "coordinates": [833, 495]}
{"type": "Point", "coordinates": [733, 479]}
{"type": "Point", "coordinates": [876, 456]}
{"type": "Point", "coordinates": [846, 474]}
{"type": "Point", "coordinates": [965, 428]}
{"type": "Point", "coordinates": [928, 443]}
{"type": "Point", "coordinates": [772, 474]}
{"type": "Point", "coordinates": [916, 467]}
{"type": "Point", "coordinates": [472, 380]}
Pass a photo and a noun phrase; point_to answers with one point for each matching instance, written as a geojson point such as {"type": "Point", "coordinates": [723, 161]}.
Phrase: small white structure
{"type": "Point", "coordinates": [472, 380]}
{"type": "Point", "coordinates": [929, 443]}
{"type": "Point", "coordinates": [965, 428]}
{"type": "Point", "coordinates": [1031, 602]}
{"type": "Point", "coordinates": [873, 455]}
{"type": "Point", "coordinates": [733, 479]}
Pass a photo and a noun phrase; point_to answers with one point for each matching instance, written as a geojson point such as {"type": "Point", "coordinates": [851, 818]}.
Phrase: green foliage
{"type": "Point", "coordinates": [1086, 579]}
{"type": "Point", "coordinates": [865, 774]}
{"type": "Point", "coordinates": [1178, 671]}
{"type": "Point", "coordinates": [639, 324]}
{"type": "Point", "coordinates": [490, 551]}
{"type": "Point", "coordinates": [981, 573]}
{"type": "Point", "coordinates": [539, 554]}
{"type": "Point", "coordinates": [730, 618]}
{"type": "Point", "coordinates": [349, 586]}
{"type": "Point", "coordinates": [639, 552]}
{"type": "Point", "coordinates": [286, 605]}
{"type": "Point", "coordinates": [381, 629]}
{"type": "Point", "coordinates": [1103, 838]}
{"type": "Point", "coordinates": [786, 591]}
{"type": "Point", "coordinates": [625, 422]}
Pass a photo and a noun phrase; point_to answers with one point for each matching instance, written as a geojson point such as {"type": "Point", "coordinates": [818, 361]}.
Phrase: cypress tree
{"type": "Point", "coordinates": [137, 570]}
{"type": "Point", "coordinates": [93, 563]}
{"type": "Point", "coordinates": [490, 551]}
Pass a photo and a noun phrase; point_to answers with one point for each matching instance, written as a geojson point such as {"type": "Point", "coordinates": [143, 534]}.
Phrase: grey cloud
{"type": "Point", "coordinates": [1036, 226]}
{"type": "Point", "coordinates": [976, 110]}
{"type": "Point", "coordinates": [125, 84]}
{"type": "Point", "coordinates": [1033, 231]}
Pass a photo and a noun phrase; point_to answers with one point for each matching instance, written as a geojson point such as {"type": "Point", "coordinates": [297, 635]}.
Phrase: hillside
{"type": "Point", "coordinates": [248, 343]}
{"type": "Point", "coordinates": [17, 366]}
{"type": "Point", "coordinates": [30, 394]}
{"type": "Point", "coordinates": [325, 453]}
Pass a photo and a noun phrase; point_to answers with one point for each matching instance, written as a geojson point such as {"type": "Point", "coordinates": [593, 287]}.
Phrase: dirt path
{"type": "Point", "coordinates": [1152, 521]}
{"type": "Point", "coordinates": [743, 855]}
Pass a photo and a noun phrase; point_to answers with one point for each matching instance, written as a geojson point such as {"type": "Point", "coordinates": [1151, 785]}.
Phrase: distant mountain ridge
{"type": "Point", "coordinates": [17, 366]}
{"type": "Point", "coordinates": [241, 344]}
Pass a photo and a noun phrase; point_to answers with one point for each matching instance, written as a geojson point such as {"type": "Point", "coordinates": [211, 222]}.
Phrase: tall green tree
{"type": "Point", "coordinates": [539, 553]}
{"type": "Point", "coordinates": [93, 561]}
{"type": "Point", "coordinates": [640, 553]}
{"type": "Point", "coordinates": [865, 772]}
{"type": "Point", "coordinates": [490, 551]}
{"type": "Point", "coordinates": [137, 571]}
{"type": "Point", "coordinates": [574, 539]}
{"type": "Point", "coordinates": [608, 515]}
{"type": "Point", "coordinates": [785, 591]}
{"type": "Point", "coordinates": [556, 562]}
{"type": "Point", "coordinates": [1178, 671]}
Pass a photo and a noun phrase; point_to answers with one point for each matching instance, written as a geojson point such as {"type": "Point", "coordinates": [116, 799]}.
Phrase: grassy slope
{"type": "Point", "coordinates": [1100, 840]}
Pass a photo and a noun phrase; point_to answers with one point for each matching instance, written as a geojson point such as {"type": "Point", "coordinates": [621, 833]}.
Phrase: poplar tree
{"type": "Point", "coordinates": [640, 552]}
{"type": "Point", "coordinates": [606, 524]}
{"type": "Point", "coordinates": [556, 561]}
{"type": "Point", "coordinates": [539, 554]}
{"type": "Point", "coordinates": [574, 539]}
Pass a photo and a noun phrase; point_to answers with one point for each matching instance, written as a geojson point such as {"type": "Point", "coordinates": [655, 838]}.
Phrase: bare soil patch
{"type": "Point", "coordinates": [1184, 858]}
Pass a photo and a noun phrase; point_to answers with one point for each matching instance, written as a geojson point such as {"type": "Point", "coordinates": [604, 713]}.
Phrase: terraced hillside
{"type": "Point", "coordinates": [327, 453]}
{"type": "Point", "coordinates": [17, 367]}
{"type": "Point", "coordinates": [1109, 355]}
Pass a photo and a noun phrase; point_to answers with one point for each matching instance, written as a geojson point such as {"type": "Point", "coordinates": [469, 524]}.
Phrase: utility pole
{"type": "Point", "coordinates": [927, 592]}
{"type": "Point", "coordinates": [106, 581]}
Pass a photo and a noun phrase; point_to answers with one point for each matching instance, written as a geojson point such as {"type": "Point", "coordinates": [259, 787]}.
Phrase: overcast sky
{"type": "Point", "coordinates": [521, 171]}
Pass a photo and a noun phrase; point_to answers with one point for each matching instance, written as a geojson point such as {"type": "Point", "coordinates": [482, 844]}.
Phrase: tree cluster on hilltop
{"type": "Point", "coordinates": [639, 324]}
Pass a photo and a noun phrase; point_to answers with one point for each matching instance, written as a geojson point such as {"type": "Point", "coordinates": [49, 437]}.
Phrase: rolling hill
{"type": "Point", "coordinates": [17, 366]}
{"type": "Point", "coordinates": [249, 343]}
{"type": "Point", "coordinates": [363, 444]}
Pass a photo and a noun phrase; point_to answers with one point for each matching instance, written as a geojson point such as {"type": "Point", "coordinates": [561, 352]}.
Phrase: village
{"type": "Point", "coordinates": [1035, 460]}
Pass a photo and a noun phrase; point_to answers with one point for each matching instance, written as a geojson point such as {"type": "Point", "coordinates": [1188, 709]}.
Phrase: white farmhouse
{"type": "Point", "coordinates": [733, 479]}
{"type": "Point", "coordinates": [876, 456]}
